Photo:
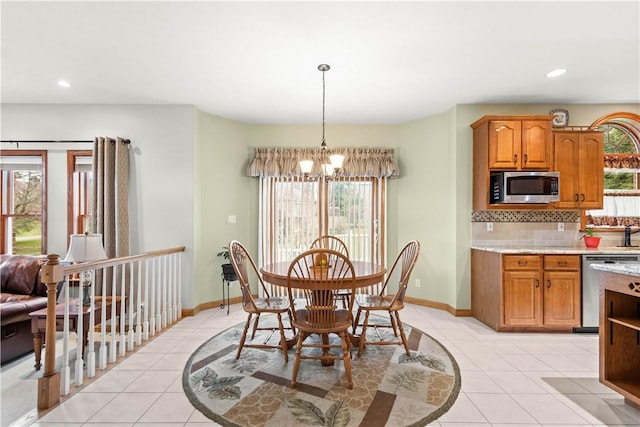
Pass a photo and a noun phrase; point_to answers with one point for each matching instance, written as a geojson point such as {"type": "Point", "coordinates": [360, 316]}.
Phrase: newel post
{"type": "Point", "coordinates": [49, 385]}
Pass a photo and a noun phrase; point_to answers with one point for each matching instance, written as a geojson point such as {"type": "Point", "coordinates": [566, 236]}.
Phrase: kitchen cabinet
{"type": "Point", "coordinates": [519, 144]}
{"type": "Point", "coordinates": [509, 143]}
{"type": "Point", "coordinates": [562, 287]}
{"type": "Point", "coordinates": [522, 295]}
{"type": "Point", "coordinates": [619, 334]}
{"type": "Point", "coordinates": [529, 293]}
{"type": "Point", "coordinates": [514, 142]}
{"type": "Point", "coordinates": [579, 157]}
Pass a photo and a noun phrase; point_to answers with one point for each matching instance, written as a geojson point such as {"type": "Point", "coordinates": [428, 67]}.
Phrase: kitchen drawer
{"type": "Point", "coordinates": [522, 262]}
{"type": "Point", "coordinates": [562, 262]}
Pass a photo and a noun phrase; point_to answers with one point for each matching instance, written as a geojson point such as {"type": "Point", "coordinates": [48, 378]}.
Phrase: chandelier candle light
{"type": "Point", "coordinates": [85, 248]}
{"type": "Point", "coordinates": [334, 162]}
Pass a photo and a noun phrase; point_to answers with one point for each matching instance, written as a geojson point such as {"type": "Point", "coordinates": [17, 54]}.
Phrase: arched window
{"type": "Point", "coordinates": [621, 173]}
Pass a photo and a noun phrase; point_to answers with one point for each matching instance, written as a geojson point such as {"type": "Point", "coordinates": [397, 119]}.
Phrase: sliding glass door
{"type": "Point", "coordinates": [294, 212]}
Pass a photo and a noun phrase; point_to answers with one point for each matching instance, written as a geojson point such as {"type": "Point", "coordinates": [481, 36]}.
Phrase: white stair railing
{"type": "Point", "coordinates": [130, 300]}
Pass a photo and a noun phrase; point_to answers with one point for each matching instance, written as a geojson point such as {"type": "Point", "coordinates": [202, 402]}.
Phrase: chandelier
{"type": "Point", "coordinates": [330, 163]}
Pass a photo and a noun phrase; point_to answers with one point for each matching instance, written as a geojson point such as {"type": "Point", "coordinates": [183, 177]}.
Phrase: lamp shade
{"type": "Point", "coordinates": [306, 166]}
{"type": "Point", "coordinates": [336, 160]}
{"type": "Point", "coordinates": [85, 247]}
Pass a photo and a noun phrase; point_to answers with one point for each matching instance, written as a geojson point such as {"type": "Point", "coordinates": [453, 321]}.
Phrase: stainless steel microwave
{"type": "Point", "coordinates": [524, 187]}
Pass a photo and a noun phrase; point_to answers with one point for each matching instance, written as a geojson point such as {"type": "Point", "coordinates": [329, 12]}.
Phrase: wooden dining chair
{"type": "Point", "coordinates": [320, 314]}
{"type": "Point", "coordinates": [336, 244]}
{"type": "Point", "coordinates": [401, 270]}
{"type": "Point", "coordinates": [330, 242]}
{"type": "Point", "coordinates": [244, 266]}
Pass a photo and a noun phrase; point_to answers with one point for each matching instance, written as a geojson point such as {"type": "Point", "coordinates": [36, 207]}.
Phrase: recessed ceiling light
{"type": "Point", "coordinates": [557, 72]}
{"type": "Point", "coordinates": [63, 83]}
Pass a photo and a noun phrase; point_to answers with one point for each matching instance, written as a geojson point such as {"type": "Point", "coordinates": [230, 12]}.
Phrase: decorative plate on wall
{"type": "Point", "coordinates": [560, 117]}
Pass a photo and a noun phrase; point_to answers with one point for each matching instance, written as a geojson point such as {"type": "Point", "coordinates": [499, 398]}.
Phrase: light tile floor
{"type": "Point", "coordinates": [508, 379]}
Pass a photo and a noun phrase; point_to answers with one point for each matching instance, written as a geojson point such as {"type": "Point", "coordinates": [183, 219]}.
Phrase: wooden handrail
{"type": "Point", "coordinates": [94, 265]}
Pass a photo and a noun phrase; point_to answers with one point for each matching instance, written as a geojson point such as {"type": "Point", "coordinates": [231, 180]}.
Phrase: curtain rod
{"type": "Point", "coordinates": [65, 141]}
{"type": "Point", "coordinates": [13, 141]}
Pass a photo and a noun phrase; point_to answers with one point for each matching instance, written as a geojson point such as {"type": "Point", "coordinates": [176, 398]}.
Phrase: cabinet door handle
{"type": "Point", "coordinates": [526, 157]}
{"type": "Point", "coordinates": [562, 262]}
{"type": "Point", "coordinates": [522, 262]}
{"type": "Point", "coordinates": [515, 158]}
{"type": "Point", "coordinates": [576, 198]}
{"type": "Point", "coordinates": [537, 283]}
{"type": "Point", "coordinates": [582, 197]}
{"type": "Point", "coordinates": [548, 284]}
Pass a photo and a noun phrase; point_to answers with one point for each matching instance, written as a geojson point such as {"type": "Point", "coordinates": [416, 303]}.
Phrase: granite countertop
{"type": "Point", "coordinates": [559, 250]}
{"type": "Point", "coordinates": [628, 269]}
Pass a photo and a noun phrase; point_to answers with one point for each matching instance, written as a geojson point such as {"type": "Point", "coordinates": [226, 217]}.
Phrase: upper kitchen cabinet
{"type": "Point", "coordinates": [579, 157]}
{"type": "Point", "coordinates": [508, 143]}
{"type": "Point", "coordinates": [516, 142]}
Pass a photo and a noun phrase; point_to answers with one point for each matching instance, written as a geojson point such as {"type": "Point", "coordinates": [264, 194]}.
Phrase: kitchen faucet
{"type": "Point", "coordinates": [627, 236]}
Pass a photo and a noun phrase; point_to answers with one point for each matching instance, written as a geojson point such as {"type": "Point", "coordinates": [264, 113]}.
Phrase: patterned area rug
{"type": "Point", "coordinates": [389, 388]}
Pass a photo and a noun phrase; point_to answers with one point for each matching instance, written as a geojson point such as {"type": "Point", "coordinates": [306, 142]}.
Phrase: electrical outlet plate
{"type": "Point", "coordinates": [417, 283]}
{"type": "Point", "coordinates": [561, 226]}
{"type": "Point", "coordinates": [489, 226]}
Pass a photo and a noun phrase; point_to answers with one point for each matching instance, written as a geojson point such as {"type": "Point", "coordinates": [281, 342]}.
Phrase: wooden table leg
{"type": "Point", "coordinates": [37, 349]}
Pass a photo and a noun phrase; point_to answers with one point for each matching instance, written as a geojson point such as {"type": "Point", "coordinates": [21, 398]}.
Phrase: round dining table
{"type": "Point", "coordinates": [367, 274]}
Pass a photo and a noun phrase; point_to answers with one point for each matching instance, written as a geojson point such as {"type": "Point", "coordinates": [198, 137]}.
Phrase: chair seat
{"type": "Point", "coordinates": [377, 302]}
{"type": "Point", "coordinates": [269, 305]}
{"type": "Point", "coordinates": [342, 322]}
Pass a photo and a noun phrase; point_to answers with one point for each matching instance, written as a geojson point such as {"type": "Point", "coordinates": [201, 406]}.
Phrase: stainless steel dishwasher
{"type": "Point", "coordinates": [591, 287]}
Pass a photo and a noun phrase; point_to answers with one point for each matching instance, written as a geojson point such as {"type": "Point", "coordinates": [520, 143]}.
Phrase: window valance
{"type": "Point", "coordinates": [622, 161]}
{"type": "Point", "coordinates": [358, 162]}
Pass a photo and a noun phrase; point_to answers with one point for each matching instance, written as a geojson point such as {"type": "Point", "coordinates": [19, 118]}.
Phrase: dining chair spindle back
{"type": "Point", "coordinates": [336, 244]}
{"type": "Point", "coordinates": [246, 270]}
{"type": "Point", "coordinates": [401, 269]}
{"type": "Point", "coordinates": [320, 314]}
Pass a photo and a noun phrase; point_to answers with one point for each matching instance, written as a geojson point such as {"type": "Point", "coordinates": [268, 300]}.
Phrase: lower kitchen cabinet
{"type": "Point", "coordinates": [522, 294]}
{"type": "Point", "coordinates": [528, 293]}
{"type": "Point", "coordinates": [561, 298]}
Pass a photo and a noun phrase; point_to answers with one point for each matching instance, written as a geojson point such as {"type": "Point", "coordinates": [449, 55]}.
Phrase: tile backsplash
{"type": "Point", "coordinates": [531, 229]}
{"type": "Point", "coordinates": [525, 216]}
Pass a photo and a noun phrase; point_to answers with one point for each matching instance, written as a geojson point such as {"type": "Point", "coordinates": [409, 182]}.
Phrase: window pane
{"type": "Point", "coordinates": [350, 216]}
{"type": "Point", "coordinates": [619, 181]}
{"type": "Point", "coordinates": [23, 203]}
{"type": "Point", "coordinates": [26, 235]}
{"type": "Point", "coordinates": [618, 140]}
{"type": "Point", "coordinates": [79, 169]}
{"type": "Point", "coordinates": [296, 217]}
{"type": "Point", "coordinates": [27, 192]}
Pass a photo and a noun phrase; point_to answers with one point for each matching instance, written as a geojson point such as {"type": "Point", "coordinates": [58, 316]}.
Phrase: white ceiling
{"type": "Point", "coordinates": [256, 62]}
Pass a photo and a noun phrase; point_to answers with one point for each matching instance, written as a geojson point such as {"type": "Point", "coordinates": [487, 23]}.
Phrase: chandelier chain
{"type": "Point", "coordinates": [323, 69]}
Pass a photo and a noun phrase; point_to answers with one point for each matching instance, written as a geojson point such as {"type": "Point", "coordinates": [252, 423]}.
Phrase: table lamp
{"type": "Point", "coordinates": [85, 248]}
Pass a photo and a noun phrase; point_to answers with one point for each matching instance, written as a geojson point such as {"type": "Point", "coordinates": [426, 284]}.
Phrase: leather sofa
{"type": "Point", "coordinates": [21, 293]}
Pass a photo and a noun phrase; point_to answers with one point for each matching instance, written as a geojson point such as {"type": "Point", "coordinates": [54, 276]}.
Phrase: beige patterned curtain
{"type": "Point", "coordinates": [110, 194]}
{"type": "Point", "coordinates": [358, 162]}
{"type": "Point", "coordinates": [622, 161]}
